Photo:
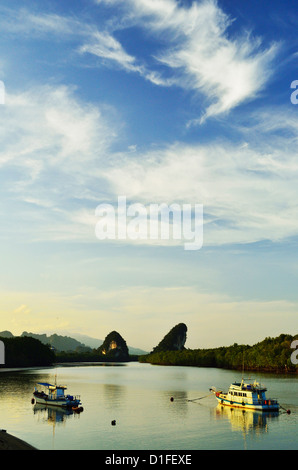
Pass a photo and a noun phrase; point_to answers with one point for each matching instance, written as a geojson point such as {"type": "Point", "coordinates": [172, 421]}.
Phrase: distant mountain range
{"type": "Point", "coordinates": [76, 342]}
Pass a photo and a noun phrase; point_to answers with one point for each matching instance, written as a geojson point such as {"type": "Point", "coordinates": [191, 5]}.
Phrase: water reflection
{"type": "Point", "coordinates": [177, 403]}
{"type": "Point", "coordinates": [138, 398]}
{"type": "Point", "coordinates": [113, 395]}
{"type": "Point", "coordinates": [53, 414]}
{"type": "Point", "coordinates": [249, 422]}
{"type": "Point", "coordinates": [15, 384]}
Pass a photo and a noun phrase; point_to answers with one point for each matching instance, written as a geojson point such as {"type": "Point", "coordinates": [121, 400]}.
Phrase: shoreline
{"type": "Point", "coordinates": [277, 370]}
{"type": "Point", "coordinates": [9, 442]}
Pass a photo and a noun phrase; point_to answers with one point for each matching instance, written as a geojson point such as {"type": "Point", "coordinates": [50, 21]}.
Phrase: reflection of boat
{"type": "Point", "coordinates": [55, 396]}
{"type": "Point", "coordinates": [246, 421]}
{"type": "Point", "coordinates": [250, 396]}
{"type": "Point", "coordinates": [52, 414]}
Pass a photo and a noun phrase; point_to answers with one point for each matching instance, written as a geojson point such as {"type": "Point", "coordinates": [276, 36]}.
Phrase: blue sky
{"type": "Point", "coordinates": [161, 101]}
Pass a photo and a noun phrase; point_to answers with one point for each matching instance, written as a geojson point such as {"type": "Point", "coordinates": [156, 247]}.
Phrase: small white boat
{"type": "Point", "coordinates": [250, 396]}
{"type": "Point", "coordinates": [54, 395]}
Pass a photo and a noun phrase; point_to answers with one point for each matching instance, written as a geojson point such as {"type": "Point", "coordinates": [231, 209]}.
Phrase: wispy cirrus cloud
{"type": "Point", "coordinates": [63, 154]}
{"type": "Point", "coordinates": [87, 38]}
{"type": "Point", "coordinates": [106, 47]}
{"type": "Point", "coordinates": [201, 54]}
{"type": "Point", "coordinates": [193, 50]}
{"type": "Point", "coordinates": [23, 21]}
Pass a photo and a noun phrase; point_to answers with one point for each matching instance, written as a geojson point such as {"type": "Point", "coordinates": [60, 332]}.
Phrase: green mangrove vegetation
{"type": "Point", "coordinates": [271, 354]}
{"type": "Point", "coordinates": [23, 351]}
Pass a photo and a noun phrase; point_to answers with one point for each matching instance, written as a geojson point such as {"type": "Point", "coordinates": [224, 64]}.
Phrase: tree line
{"type": "Point", "coordinates": [271, 354]}
{"type": "Point", "coordinates": [23, 351]}
{"type": "Point", "coordinates": [26, 351]}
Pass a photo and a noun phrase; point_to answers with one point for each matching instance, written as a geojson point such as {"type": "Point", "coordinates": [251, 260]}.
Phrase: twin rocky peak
{"type": "Point", "coordinates": [115, 347]}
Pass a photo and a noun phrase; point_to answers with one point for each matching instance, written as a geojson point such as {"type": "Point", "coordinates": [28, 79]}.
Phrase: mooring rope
{"type": "Point", "coordinates": [194, 399]}
{"type": "Point", "coordinates": [287, 411]}
{"type": "Point", "coordinates": [205, 396]}
{"type": "Point", "coordinates": [200, 398]}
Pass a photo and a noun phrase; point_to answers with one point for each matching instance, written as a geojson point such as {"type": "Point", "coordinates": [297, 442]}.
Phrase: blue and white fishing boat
{"type": "Point", "coordinates": [54, 395]}
{"type": "Point", "coordinates": [250, 396]}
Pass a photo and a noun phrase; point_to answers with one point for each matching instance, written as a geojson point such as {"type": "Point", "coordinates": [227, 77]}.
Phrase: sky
{"type": "Point", "coordinates": [183, 102]}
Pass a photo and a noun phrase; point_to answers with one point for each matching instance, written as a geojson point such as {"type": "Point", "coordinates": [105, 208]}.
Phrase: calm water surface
{"type": "Point", "coordinates": [138, 397]}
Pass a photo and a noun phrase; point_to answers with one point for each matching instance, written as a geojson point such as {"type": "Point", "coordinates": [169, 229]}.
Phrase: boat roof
{"type": "Point", "coordinates": [46, 384]}
{"type": "Point", "coordinates": [248, 386]}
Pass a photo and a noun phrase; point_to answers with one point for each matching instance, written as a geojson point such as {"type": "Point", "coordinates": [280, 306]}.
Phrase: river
{"type": "Point", "coordinates": [144, 407]}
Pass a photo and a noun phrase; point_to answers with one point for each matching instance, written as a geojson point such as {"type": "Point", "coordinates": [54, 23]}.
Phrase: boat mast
{"type": "Point", "coordinates": [242, 367]}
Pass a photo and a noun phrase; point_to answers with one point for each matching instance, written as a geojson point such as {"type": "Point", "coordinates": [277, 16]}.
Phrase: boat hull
{"type": "Point", "coordinates": [248, 406]}
{"type": "Point", "coordinates": [61, 403]}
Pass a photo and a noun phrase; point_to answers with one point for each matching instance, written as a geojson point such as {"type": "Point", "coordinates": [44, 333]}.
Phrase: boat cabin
{"type": "Point", "coordinates": [243, 390]}
{"type": "Point", "coordinates": [54, 392]}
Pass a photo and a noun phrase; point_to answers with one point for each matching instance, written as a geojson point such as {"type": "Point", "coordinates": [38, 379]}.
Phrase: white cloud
{"type": "Point", "coordinates": [53, 128]}
{"type": "Point", "coordinates": [106, 46]}
{"type": "Point", "coordinates": [62, 166]}
{"type": "Point", "coordinates": [22, 309]}
{"type": "Point", "coordinates": [25, 22]}
{"type": "Point", "coordinates": [200, 53]}
{"type": "Point", "coordinates": [194, 45]}
{"type": "Point", "coordinates": [54, 163]}
{"type": "Point", "coordinates": [248, 191]}
{"type": "Point", "coordinates": [87, 37]}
